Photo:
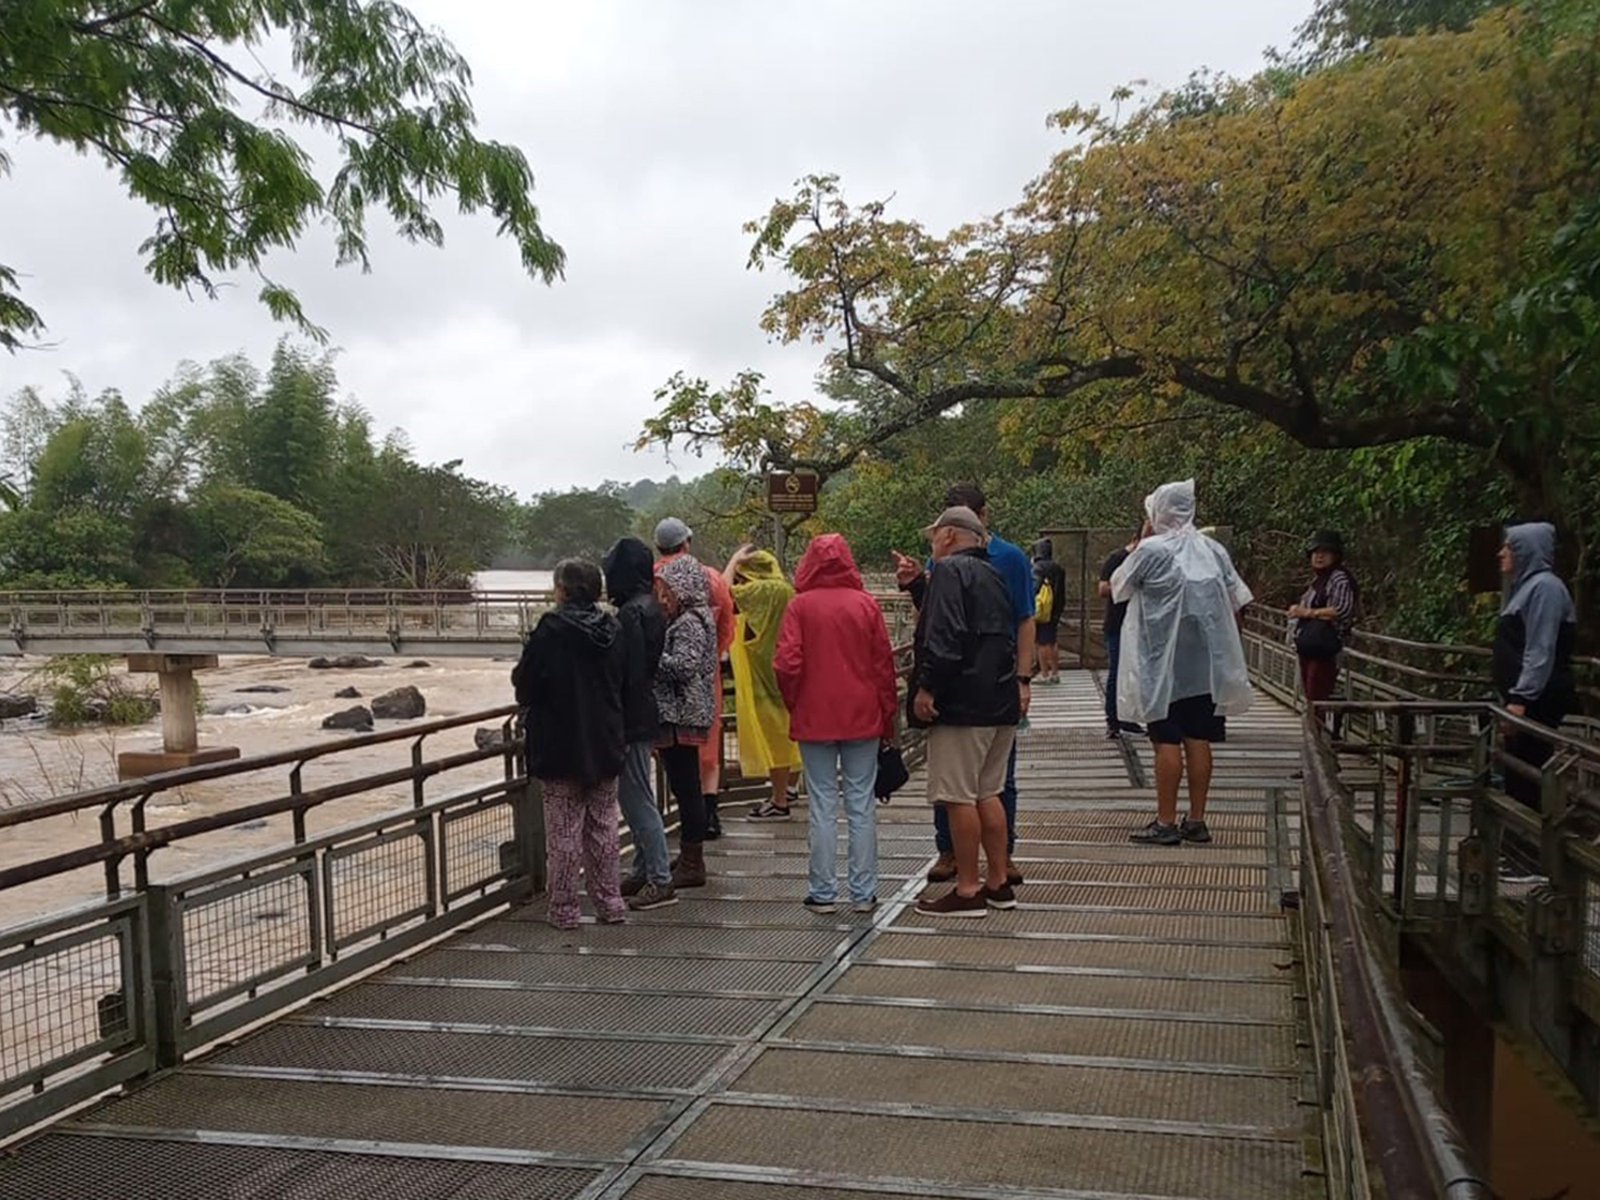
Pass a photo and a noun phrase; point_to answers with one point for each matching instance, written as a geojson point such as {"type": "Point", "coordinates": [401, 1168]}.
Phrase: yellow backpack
{"type": "Point", "coordinates": [1044, 603]}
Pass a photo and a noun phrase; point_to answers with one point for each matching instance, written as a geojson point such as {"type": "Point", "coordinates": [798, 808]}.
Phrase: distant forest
{"type": "Point", "coordinates": [242, 476]}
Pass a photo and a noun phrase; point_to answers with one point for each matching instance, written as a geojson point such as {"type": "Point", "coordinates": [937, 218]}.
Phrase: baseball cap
{"type": "Point", "coordinates": [672, 533]}
{"type": "Point", "coordinates": [958, 517]}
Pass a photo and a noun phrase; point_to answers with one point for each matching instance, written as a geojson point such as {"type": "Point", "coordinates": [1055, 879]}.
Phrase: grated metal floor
{"type": "Point", "coordinates": [1129, 1031]}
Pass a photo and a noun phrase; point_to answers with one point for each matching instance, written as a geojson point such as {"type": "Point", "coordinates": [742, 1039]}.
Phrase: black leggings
{"type": "Point", "coordinates": [682, 766]}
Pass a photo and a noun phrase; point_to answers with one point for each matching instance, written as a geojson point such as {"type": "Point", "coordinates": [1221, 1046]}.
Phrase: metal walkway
{"type": "Point", "coordinates": [1130, 1031]}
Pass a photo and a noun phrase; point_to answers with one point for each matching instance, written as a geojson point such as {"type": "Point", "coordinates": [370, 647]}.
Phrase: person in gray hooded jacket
{"type": "Point", "coordinates": [1533, 647]}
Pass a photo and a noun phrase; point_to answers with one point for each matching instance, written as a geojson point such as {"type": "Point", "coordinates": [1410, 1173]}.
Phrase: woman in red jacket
{"type": "Point", "coordinates": [835, 668]}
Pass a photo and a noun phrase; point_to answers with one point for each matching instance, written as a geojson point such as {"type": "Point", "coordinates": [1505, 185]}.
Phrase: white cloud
{"type": "Point", "coordinates": [655, 129]}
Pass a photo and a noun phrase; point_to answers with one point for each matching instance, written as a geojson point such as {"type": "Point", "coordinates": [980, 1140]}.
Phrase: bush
{"type": "Point", "coordinates": [86, 690]}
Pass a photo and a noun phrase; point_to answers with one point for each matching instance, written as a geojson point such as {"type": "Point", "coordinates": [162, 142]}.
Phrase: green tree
{"type": "Point", "coordinates": [580, 523]}
{"type": "Point", "coordinates": [1340, 27]}
{"type": "Point", "coordinates": [158, 91]}
{"type": "Point", "coordinates": [248, 538]}
{"type": "Point", "coordinates": [1246, 259]}
{"type": "Point", "coordinates": [431, 526]}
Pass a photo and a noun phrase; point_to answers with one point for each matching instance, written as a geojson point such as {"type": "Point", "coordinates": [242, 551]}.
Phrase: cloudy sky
{"type": "Point", "coordinates": [655, 128]}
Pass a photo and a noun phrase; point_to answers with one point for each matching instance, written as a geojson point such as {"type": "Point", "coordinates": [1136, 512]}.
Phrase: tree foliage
{"type": "Point", "coordinates": [173, 96]}
{"type": "Point", "coordinates": [1364, 268]}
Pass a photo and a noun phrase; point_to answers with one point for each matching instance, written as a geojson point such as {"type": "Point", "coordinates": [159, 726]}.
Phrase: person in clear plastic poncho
{"type": "Point", "coordinates": [1182, 670]}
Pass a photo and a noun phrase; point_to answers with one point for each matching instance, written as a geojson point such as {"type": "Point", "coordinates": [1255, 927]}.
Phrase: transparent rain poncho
{"type": "Point", "coordinates": [1180, 637]}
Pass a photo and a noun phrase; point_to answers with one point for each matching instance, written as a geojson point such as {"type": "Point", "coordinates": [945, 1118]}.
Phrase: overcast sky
{"type": "Point", "coordinates": [655, 130]}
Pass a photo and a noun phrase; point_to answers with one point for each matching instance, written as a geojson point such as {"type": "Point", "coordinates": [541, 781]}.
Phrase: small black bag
{"type": "Point", "coordinates": [1317, 639]}
{"type": "Point", "coordinates": [892, 773]}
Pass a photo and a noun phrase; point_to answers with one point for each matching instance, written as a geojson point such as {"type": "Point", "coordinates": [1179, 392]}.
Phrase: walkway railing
{"type": "Point", "coordinates": [1407, 831]}
{"type": "Point", "coordinates": [418, 831]}
{"type": "Point", "coordinates": [169, 960]}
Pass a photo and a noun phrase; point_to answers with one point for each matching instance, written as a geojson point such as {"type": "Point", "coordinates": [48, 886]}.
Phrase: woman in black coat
{"type": "Point", "coordinates": [570, 682]}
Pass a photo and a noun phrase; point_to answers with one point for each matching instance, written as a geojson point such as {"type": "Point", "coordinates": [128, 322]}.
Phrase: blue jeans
{"type": "Point", "coordinates": [827, 765]}
{"type": "Point", "coordinates": [1114, 654]}
{"type": "Point", "coordinates": [1008, 801]}
{"type": "Point", "coordinates": [637, 793]}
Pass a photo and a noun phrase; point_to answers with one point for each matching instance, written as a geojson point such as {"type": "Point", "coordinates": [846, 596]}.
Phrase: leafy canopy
{"type": "Point", "coordinates": [173, 96]}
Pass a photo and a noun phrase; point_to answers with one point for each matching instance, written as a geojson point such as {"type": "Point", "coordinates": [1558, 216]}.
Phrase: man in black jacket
{"type": "Point", "coordinates": [630, 576]}
{"type": "Point", "coordinates": [964, 691]}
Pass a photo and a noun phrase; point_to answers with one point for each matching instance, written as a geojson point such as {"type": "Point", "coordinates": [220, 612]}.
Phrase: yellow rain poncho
{"type": "Point", "coordinates": [762, 594]}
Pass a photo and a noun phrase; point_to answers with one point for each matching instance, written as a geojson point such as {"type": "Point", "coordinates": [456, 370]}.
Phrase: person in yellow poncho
{"type": "Point", "coordinates": [761, 594]}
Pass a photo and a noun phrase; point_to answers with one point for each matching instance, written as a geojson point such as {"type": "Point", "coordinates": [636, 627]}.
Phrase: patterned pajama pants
{"type": "Point", "coordinates": [581, 834]}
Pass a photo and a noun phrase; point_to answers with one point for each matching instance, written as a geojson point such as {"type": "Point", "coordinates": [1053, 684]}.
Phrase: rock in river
{"type": "Point", "coordinates": [345, 662]}
{"type": "Point", "coordinates": [263, 689]}
{"type": "Point", "coordinates": [17, 706]}
{"type": "Point", "coordinates": [357, 719]}
{"type": "Point", "coordinates": [399, 705]}
{"type": "Point", "coordinates": [347, 693]}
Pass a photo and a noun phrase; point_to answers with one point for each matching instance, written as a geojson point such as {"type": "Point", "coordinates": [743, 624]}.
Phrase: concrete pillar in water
{"type": "Point", "coordinates": [180, 740]}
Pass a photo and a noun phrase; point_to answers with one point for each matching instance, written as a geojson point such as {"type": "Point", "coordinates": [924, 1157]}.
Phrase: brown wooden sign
{"type": "Point", "coordinates": [792, 492]}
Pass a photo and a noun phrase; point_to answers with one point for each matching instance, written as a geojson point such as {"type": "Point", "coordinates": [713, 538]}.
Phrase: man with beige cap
{"type": "Point", "coordinates": [964, 692]}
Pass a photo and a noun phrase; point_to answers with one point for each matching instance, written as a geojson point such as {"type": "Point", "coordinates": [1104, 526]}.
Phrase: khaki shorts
{"type": "Point", "coordinates": [967, 763]}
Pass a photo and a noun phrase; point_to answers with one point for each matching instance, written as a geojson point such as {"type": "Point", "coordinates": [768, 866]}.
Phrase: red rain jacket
{"type": "Point", "coordinates": [834, 663]}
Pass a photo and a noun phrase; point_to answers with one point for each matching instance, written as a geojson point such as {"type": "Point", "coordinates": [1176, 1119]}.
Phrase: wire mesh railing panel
{"type": "Point", "coordinates": [69, 994]}
{"type": "Point", "coordinates": [240, 935]}
{"type": "Point", "coordinates": [378, 885]}
{"type": "Point", "coordinates": [470, 846]}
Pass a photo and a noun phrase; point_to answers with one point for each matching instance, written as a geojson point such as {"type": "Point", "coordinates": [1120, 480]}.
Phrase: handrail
{"type": "Point", "coordinates": [116, 793]}
{"type": "Point", "coordinates": [1408, 1135]}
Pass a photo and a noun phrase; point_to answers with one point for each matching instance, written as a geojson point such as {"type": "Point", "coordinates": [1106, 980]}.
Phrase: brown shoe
{"type": "Point", "coordinates": [944, 870]}
{"type": "Point", "coordinates": [953, 904]}
{"type": "Point", "coordinates": [690, 870]}
{"type": "Point", "coordinates": [1013, 876]}
{"type": "Point", "coordinates": [1000, 897]}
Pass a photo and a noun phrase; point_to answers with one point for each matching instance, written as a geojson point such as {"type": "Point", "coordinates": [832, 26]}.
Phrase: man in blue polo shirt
{"type": "Point", "coordinates": [1017, 570]}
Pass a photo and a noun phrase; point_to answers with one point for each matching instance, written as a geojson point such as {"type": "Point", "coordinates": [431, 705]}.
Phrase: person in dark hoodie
{"type": "Point", "coordinates": [630, 585]}
{"type": "Point", "coordinates": [570, 682]}
{"type": "Point", "coordinates": [1533, 648]}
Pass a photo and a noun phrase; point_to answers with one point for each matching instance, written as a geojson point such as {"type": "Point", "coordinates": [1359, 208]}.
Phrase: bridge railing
{"type": "Point", "coordinates": [257, 619]}
{"type": "Point", "coordinates": [255, 622]}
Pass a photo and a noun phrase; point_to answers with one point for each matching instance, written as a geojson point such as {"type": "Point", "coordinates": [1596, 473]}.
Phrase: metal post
{"type": "Point", "coordinates": [528, 820]}
{"type": "Point", "coordinates": [166, 974]}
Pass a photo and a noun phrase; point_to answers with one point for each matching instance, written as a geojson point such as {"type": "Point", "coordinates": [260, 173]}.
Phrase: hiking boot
{"type": "Point", "coordinates": [713, 820]}
{"type": "Point", "coordinates": [632, 886]}
{"type": "Point", "coordinates": [1000, 897]}
{"type": "Point", "coordinates": [768, 811]}
{"type": "Point", "coordinates": [812, 904]}
{"type": "Point", "coordinates": [1157, 834]}
{"type": "Point", "coordinates": [944, 870]}
{"type": "Point", "coordinates": [690, 869]}
{"type": "Point", "coordinates": [1194, 831]}
{"type": "Point", "coordinates": [1013, 876]}
{"type": "Point", "coordinates": [953, 904]}
{"type": "Point", "coordinates": [652, 895]}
